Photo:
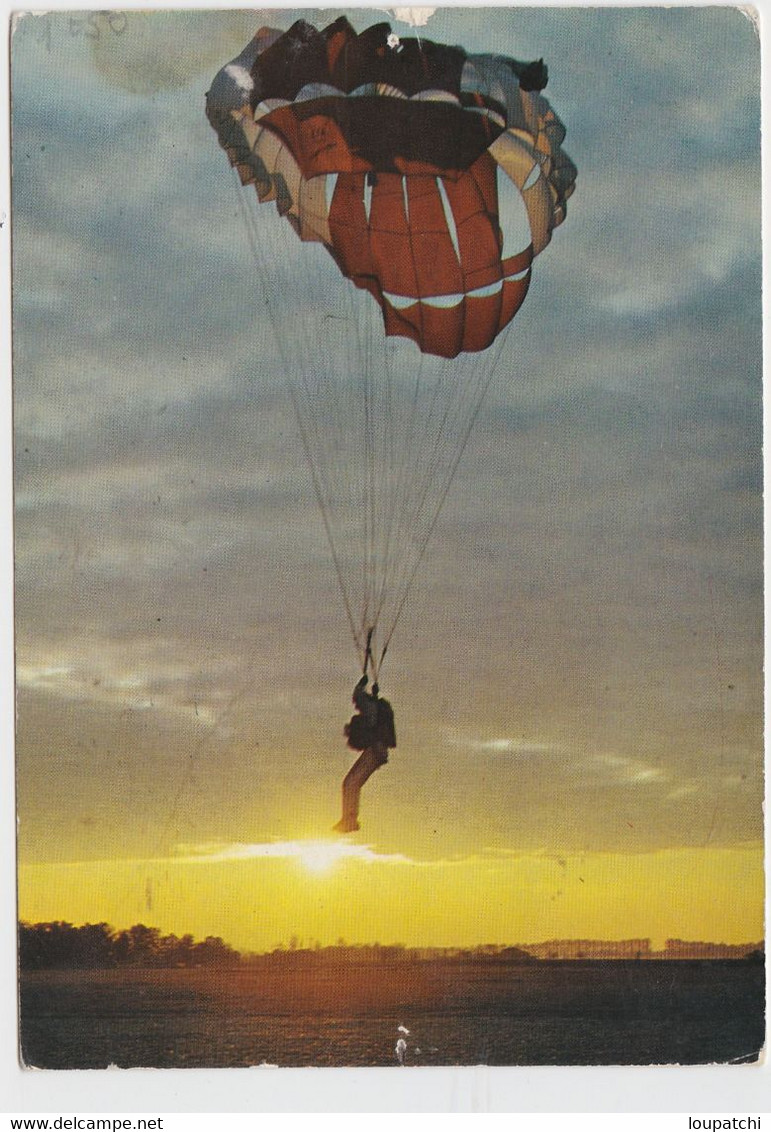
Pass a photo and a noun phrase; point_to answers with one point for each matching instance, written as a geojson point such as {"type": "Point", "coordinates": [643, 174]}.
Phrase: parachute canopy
{"type": "Point", "coordinates": [397, 155]}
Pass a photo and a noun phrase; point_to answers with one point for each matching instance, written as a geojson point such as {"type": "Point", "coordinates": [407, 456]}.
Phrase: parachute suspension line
{"type": "Point", "coordinates": [449, 440]}
{"type": "Point", "coordinates": [401, 482]}
{"type": "Point", "coordinates": [381, 465]}
{"type": "Point", "coordinates": [325, 518]}
{"type": "Point", "coordinates": [384, 467]}
{"type": "Point", "coordinates": [362, 470]}
{"type": "Point", "coordinates": [392, 462]}
{"type": "Point", "coordinates": [430, 530]}
{"type": "Point", "coordinates": [369, 473]}
{"type": "Point", "coordinates": [394, 466]}
{"type": "Point", "coordinates": [449, 432]}
{"type": "Point", "coordinates": [396, 513]}
{"type": "Point", "coordinates": [437, 440]}
{"type": "Point", "coordinates": [376, 454]}
{"type": "Point", "coordinates": [290, 373]}
{"type": "Point", "coordinates": [370, 462]}
{"type": "Point", "coordinates": [447, 485]}
{"type": "Point", "coordinates": [452, 394]}
{"type": "Point", "coordinates": [433, 451]}
{"type": "Point", "coordinates": [397, 468]}
{"type": "Point", "coordinates": [398, 529]}
{"type": "Point", "coordinates": [474, 402]}
{"type": "Point", "coordinates": [368, 657]}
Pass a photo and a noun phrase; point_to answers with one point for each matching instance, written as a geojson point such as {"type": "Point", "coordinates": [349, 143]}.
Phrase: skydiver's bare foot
{"type": "Point", "coordinates": [346, 825]}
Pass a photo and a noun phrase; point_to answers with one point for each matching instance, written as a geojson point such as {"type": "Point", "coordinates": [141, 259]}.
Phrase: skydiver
{"type": "Point", "coordinates": [372, 731]}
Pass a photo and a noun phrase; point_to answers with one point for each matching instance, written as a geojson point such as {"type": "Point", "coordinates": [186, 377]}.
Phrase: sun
{"type": "Point", "coordinates": [320, 856]}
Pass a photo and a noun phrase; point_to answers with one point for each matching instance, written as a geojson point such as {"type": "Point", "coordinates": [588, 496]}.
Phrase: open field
{"type": "Point", "coordinates": [457, 1012]}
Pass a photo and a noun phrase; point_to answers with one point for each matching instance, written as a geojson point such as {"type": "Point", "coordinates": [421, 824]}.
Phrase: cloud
{"type": "Point", "coordinates": [687, 790]}
{"type": "Point", "coordinates": [150, 677]}
{"type": "Point", "coordinates": [620, 768]}
{"type": "Point", "coordinates": [503, 746]}
{"type": "Point", "coordinates": [317, 855]}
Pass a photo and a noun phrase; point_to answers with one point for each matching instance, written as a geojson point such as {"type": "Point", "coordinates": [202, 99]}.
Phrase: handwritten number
{"type": "Point", "coordinates": [92, 24]}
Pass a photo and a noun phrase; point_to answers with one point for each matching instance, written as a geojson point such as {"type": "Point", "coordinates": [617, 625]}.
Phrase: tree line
{"type": "Point", "coordinates": [60, 944]}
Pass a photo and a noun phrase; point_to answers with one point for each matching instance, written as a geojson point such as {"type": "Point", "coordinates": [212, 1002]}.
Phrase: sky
{"type": "Point", "coordinates": [577, 676]}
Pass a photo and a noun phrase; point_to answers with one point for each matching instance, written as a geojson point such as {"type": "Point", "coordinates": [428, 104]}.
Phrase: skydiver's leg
{"type": "Point", "coordinates": [364, 767]}
{"type": "Point", "coordinates": [352, 784]}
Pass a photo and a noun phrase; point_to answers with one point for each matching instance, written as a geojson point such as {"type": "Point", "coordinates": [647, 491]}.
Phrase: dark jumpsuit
{"type": "Point", "coordinates": [379, 730]}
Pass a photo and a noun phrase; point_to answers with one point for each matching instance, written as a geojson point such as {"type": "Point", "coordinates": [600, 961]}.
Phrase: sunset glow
{"type": "Point", "coordinates": [316, 891]}
{"type": "Point", "coordinates": [318, 856]}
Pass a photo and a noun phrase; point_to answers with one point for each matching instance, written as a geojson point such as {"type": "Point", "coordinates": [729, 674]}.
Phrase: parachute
{"type": "Point", "coordinates": [431, 178]}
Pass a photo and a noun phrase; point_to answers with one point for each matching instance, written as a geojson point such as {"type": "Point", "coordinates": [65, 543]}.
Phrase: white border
{"type": "Point", "coordinates": [701, 1091]}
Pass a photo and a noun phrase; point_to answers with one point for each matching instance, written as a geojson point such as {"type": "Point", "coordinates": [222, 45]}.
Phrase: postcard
{"type": "Point", "coordinates": [388, 537]}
